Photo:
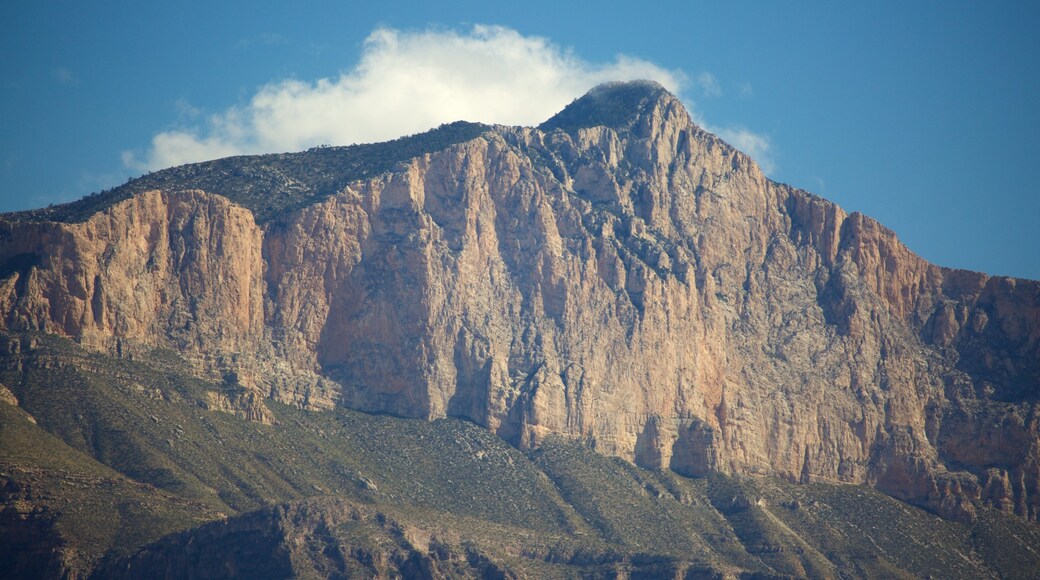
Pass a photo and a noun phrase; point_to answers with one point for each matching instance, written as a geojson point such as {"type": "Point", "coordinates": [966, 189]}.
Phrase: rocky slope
{"type": "Point", "coordinates": [616, 276]}
{"type": "Point", "coordinates": [120, 468]}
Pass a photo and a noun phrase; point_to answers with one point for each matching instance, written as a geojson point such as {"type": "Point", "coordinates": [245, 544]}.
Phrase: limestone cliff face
{"type": "Point", "coordinates": [178, 270]}
{"type": "Point", "coordinates": [617, 276]}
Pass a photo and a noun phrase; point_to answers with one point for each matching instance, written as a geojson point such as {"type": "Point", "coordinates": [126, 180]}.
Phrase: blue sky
{"type": "Point", "coordinates": [923, 116]}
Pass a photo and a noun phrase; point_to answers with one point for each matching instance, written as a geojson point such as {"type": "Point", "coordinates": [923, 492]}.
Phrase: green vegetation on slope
{"type": "Point", "coordinates": [610, 105]}
{"type": "Point", "coordinates": [123, 452]}
{"type": "Point", "coordinates": [271, 185]}
{"type": "Point", "coordinates": [52, 495]}
{"type": "Point", "coordinates": [146, 420]}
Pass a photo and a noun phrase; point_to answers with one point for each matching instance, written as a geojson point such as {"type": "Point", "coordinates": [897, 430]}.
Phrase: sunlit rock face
{"type": "Point", "coordinates": [617, 276]}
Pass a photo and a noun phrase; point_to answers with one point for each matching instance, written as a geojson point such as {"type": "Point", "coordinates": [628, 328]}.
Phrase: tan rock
{"type": "Point", "coordinates": [643, 288]}
{"type": "Point", "coordinates": [7, 397]}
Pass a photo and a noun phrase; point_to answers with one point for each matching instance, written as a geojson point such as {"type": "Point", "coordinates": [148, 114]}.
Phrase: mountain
{"type": "Point", "coordinates": [758, 363]}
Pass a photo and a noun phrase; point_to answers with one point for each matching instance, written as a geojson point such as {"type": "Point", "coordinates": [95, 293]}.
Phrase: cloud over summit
{"type": "Point", "coordinates": [404, 83]}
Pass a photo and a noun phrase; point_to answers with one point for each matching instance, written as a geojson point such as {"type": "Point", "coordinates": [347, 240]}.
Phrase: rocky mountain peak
{"type": "Point", "coordinates": [618, 105]}
{"type": "Point", "coordinates": [619, 278]}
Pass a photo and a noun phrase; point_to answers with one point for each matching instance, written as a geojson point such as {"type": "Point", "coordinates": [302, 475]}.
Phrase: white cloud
{"type": "Point", "coordinates": [408, 82]}
{"type": "Point", "coordinates": [709, 85]}
{"type": "Point", "coordinates": [757, 146]}
{"type": "Point", "coordinates": [405, 82]}
{"type": "Point", "coordinates": [185, 110]}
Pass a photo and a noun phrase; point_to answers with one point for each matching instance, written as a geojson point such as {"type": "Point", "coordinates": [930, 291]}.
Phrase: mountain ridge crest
{"type": "Point", "coordinates": [644, 289]}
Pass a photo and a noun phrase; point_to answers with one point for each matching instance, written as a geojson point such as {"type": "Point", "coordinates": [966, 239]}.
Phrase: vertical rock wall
{"type": "Point", "coordinates": [641, 287]}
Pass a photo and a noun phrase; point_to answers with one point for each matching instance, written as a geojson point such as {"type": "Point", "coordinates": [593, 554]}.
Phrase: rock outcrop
{"type": "Point", "coordinates": [617, 276]}
{"type": "Point", "coordinates": [306, 539]}
{"type": "Point", "coordinates": [180, 270]}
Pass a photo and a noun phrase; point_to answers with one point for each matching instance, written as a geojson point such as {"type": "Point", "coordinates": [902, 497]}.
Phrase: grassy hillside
{"type": "Point", "coordinates": [59, 508]}
{"type": "Point", "coordinates": [124, 452]}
